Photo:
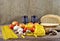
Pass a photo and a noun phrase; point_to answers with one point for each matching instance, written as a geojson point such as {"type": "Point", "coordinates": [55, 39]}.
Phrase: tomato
{"type": "Point", "coordinates": [24, 30]}
{"type": "Point", "coordinates": [32, 29]}
{"type": "Point", "coordinates": [11, 26]}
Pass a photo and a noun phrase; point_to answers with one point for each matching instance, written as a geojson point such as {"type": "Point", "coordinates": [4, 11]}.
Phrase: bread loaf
{"type": "Point", "coordinates": [50, 19]}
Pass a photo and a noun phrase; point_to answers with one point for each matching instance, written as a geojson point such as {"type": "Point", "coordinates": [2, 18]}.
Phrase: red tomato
{"type": "Point", "coordinates": [24, 30]}
{"type": "Point", "coordinates": [11, 26]}
{"type": "Point", "coordinates": [32, 29]}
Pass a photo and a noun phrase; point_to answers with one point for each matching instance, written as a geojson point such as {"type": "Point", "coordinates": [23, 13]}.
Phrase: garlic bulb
{"type": "Point", "coordinates": [16, 27]}
{"type": "Point", "coordinates": [20, 31]}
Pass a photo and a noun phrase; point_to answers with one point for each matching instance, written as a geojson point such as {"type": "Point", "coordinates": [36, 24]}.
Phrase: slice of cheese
{"type": "Point", "coordinates": [50, 19]}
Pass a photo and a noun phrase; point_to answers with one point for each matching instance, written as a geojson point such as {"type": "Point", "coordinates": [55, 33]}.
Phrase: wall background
{"type": "Point", "coordinates": [56, 7]}
{"type": "Point", "coordinates": [11, 10]}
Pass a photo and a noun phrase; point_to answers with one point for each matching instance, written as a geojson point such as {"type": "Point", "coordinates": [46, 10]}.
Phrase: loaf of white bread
{"type": "Point", "coordinates": [53, 19]}
{"type": "Point", "coordinates": [50, 22]}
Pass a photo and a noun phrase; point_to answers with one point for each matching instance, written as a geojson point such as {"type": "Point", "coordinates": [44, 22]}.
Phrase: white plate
{"type": "Point", "coordinates": [49, 24]}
